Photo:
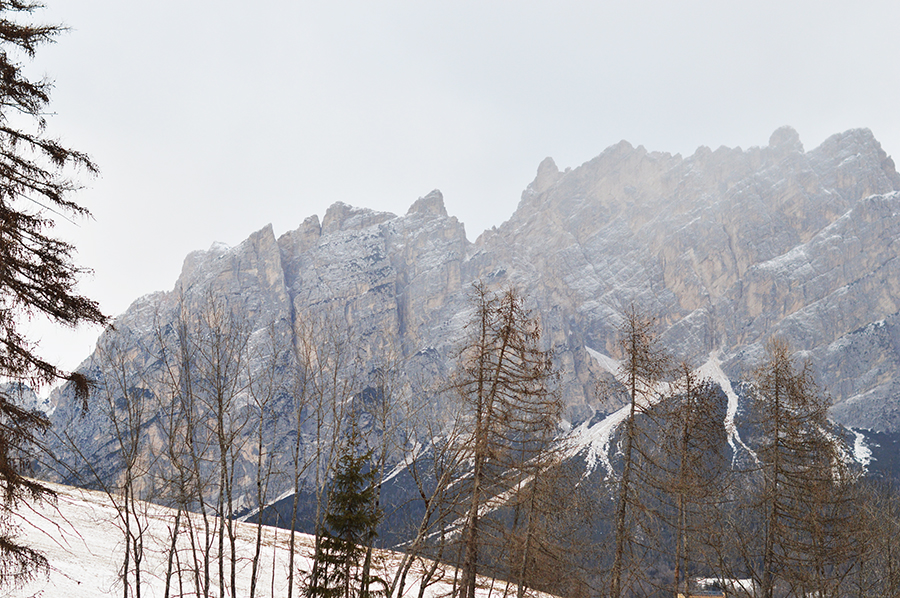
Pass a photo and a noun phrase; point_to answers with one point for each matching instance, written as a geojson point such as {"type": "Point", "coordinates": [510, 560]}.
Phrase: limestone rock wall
{"type": "Point", "coordinates": [726, 247]}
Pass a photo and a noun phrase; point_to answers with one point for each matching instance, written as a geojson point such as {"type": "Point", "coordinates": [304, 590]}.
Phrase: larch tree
{"type": "Point", "coordinates": [698, 471]}
{"type": "Point", "coordinates": [506, 382]}
{"type": "Point", "coordinates": [801, 499]}
{"type": "Point", "coordinates": [877, 534]}
{"type": "Point", "coordinates": [643, 368]}
{"type": "Point", "coordinates": [38, 274]}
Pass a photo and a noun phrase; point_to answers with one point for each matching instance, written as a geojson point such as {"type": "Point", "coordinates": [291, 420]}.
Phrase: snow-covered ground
{"type": "Point", "coordinates": [596, 438]}
{"type": "Point", "coordinates": [862, 452]}
{"type": "Point", "coordinates": [82, 538]}
{"type": "Point", "coordinates": [712, 370]}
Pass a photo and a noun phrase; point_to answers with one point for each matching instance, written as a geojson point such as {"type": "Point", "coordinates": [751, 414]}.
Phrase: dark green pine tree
{"type": "Point", "coordinates": [349, 527]}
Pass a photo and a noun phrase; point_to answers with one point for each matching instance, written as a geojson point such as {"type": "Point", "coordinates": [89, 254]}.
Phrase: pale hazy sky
{"type": "Point", "coordinates": [210, 119]}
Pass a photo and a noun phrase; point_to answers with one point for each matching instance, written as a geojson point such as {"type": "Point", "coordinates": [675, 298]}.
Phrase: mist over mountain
{"type": "Point", "coordinates": [726, 248]}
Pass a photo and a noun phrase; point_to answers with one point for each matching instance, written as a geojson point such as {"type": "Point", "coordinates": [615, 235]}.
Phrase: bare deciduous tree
{"type": "Point", "coordinates": [802, 482]}
{"type": "Point", "coordinates": [266, 385]}
{"type": "Point", "coordinates": [326, 371]}
{"type": "Point", "coordinates": [505, 380]}
{"type": "Point", "coordinates": [643, 368]}
{"type": "Point", "coordinates": [125, 405]}
{"type": "Point", "coordinates": [221, 336]}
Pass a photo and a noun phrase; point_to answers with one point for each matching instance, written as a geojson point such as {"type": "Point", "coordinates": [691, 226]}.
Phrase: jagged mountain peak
{"type": "Point", "coordinates": [785, 139]}
{"type": "Point", "coordinates": [547, 174]}
{"type": "Point", "coordinates": [725, 247]}
{"type": "Point", "coordinates": [697, 240]}
{"type": "Point", "coordinates": [340, 216]}
{"type": "Point", "coordinates": [429, 205]}
{"type": "Point", "coordinates": [196, 260]}
{"type": "Point", "coordinates": [200, 266]}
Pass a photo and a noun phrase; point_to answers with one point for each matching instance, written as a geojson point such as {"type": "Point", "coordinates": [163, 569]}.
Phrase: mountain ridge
{"type": "Point", "coordinates": [628, 227]}
{"type": "Point", "coordinates": [726, 248]}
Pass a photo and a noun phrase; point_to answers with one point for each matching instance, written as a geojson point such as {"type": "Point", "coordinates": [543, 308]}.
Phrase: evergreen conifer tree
{"type": "Point", "coordinates": [350, 525]}
{"type": "Point", "coordinates": [38, 275]}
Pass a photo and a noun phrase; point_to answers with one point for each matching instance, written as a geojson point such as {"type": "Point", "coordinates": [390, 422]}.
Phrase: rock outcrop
{"type": "Point", "coordinates": [727, 248]}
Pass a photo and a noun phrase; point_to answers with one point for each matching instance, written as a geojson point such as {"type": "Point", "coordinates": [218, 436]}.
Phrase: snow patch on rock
{"type": "Point", "coordinates": [712, 369]}
{"type": "Point", "coordinates": [861, 451]}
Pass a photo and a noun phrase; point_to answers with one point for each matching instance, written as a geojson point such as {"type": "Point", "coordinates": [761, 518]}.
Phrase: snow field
{"type": "Point", "coordinates": [82, 537]}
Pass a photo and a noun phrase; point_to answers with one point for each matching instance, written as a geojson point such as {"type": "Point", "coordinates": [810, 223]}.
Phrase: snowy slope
{"type": "Point", "coordinates": [592, 438]}
{"type": "Point", "coordinates": [82, 538]}
{"type": "Point", "coordinates": [712, 370]}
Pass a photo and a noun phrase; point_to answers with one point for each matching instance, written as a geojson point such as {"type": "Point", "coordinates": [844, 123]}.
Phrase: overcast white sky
{"type": "Point", "coordinates": [210, 119]}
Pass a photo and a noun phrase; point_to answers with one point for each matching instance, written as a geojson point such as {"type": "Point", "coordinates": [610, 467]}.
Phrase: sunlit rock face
{"type": "Point", "coordinates": [726, 248]}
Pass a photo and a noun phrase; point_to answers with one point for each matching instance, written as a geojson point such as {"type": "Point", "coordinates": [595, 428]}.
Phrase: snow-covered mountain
{"type": "Point", "coordinates": [726, 248]}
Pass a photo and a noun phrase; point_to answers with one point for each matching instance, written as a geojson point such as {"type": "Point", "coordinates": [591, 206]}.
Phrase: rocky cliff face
{"type": "Point", "coordinates": [725, 247]}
